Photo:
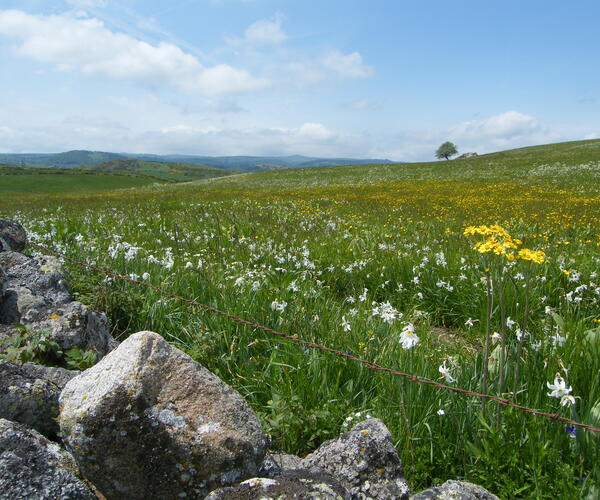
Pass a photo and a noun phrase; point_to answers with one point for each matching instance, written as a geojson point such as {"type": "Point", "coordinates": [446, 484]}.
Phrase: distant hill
{"type": "Point", "coordinates": [83, 158]}
{"type": "Point", "coordinates": [167, 170]}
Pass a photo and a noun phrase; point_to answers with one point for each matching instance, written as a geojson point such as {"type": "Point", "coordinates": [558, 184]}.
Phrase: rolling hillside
{"type": "Point", "coordinates": [182, 172]}
{"type": "Point", "coordinates": [82, 158]}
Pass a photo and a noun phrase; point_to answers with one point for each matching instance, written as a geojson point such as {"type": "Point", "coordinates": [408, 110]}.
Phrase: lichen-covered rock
{"type": "Point", "coordinates": [455, 490]}
{"type": "Point", "coordinates": [276, 464]}
{"type": "Point", "coordinates": [31, 467]}
{"type": "Point", "coordinates": [365, 461]}
{"type": "Point", "coordinates": [33, 287]}
{"type": "Point", "coordinates": [58, 376]}
{"type": "Point", "coordinates": [293, 484]}
{"type": "Point", "coordinates": [27, 399]}
{"type": "Point", "coordinates": [7, 332]}
{"type": "Point", "coordinates": [12, 236]}
{"type": "Point", "coordinates": [149, 422]}
{"type": "Point", "coordinates": [11, 259]}
{"type": "Point", "coordinates": [75, 325]}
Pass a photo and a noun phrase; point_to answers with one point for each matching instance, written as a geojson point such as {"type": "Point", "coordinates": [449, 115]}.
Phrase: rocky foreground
{"type": "Point", "coordinates": [147, 421]}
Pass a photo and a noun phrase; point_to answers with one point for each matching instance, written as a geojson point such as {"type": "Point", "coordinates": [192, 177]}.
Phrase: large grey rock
{"type": "Point", "coordinates": [58, 376]}
{"type": "Point", "coordinates": [28, 400]}
{"type": "Point", "coordinates": [149, 422]}
{"type": "Point", "coordinates": [364, 460]}
{"type": "Point", "coordinates": [31, 467]}
{"type": "Point", "coordinates": [32, 287]}
{"type": "Point", "coordinates": [12, 236]}
{"type": "Point", "coordinates": [297, 485]}
{"type": "Point", "coordinates": [455, 490]}
{"type": "Point", "coordinates": [75, 325]}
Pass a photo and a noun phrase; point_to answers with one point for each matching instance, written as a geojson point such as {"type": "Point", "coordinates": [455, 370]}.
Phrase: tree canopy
{"type": "Point", "coordinates": [446, 150]}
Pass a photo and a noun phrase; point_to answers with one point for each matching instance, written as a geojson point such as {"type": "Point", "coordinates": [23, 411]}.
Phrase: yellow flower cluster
{"type": "Point", "coordinates": [535, 256]}
{"type": "Point", "coordinates": [500, 242]}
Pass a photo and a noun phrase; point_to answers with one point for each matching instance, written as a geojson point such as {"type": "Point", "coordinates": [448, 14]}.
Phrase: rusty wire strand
{"type": "Point", "coordinates": [312, 345]}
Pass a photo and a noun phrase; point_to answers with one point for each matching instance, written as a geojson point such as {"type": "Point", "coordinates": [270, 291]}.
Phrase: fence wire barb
{"type": "Point", "coordinates": [294, 338]}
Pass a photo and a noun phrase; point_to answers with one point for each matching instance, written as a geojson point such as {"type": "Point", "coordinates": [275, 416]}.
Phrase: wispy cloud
{"type": "Point", "coordinates": [87, 46]}
{"type": "Point", "coordinates": [347, 65]}
{"type": "Point", "coordinates": [266, 31]}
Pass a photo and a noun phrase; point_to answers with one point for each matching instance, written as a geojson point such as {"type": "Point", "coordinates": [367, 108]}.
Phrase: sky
{"type": "Point", "coordinates": [335, 78]}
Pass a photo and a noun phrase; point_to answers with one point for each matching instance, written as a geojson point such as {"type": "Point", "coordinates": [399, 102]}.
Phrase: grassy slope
{"type": "Point", "coordinates": [22, 181]}
{"type": "Point", "coordinates": [524, 165]}
{"type": "Point", "coordinates": [183, 172]}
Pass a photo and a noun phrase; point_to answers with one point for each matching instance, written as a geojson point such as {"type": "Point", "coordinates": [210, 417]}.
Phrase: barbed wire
{"type": "Point", "coordinates": [312, 345]}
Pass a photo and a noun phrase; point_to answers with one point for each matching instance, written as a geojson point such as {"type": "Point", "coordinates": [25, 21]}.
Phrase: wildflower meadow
{"type": "Point", "coordinates": [482, 274]}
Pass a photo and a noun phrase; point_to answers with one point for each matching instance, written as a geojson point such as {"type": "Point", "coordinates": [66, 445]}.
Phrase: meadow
{"type": "Point", "coordinates": [374, 261]}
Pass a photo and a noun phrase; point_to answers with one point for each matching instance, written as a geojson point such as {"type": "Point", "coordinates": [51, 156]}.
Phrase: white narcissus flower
{"type": "Point", "coordinates": [345, 324]}
{"type": "Point", "coordinates": [408, 337]}
{"type": "Point", "coordinates": [559, 390]}
{"type": "Point", "coordinates": [445, 372]}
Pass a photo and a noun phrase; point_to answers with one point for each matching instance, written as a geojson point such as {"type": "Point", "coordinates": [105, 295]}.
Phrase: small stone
{"type": "Point", "coordinates": [292, 484]}
{"type": "Point", "coordinates": [12, 236]}
{"type": "Point", "coordinates": [32, 467]}
{"type": "Point", "coordinates": [455, 490]}
{"type": "Point", "coordinates": [275, 464]}
{"type": "Point", "coordinates": [365, 461]}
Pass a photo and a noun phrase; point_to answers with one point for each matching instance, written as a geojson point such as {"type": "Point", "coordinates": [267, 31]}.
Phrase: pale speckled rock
{"type": "Point", "coordinates": [58, 376]}
{"type": "Point", "coordinates": [28, 400]}
{"type": "Point", "coordinates": [32, 467]}
{"type": "Point", "coordinates": [149, 422]}
{"type": "Point", "coordinates": [365, 461]}
{"type": "Point", "coordinates": [455, 490]}
{"type": "Point", "coordinates": [276, 463]}
{"type": "Point", "coordinates": [293, 484]}
{"type": "Point", "coordinates": [12, 236]}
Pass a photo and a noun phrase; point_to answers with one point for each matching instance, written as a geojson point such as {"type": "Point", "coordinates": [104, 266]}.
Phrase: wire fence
{"type": "Point", "coordinates": [312, 345]}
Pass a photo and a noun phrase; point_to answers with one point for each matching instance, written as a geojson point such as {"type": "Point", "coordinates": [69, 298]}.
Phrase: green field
{"type": "Point", "coordinates": [15, 181]}
{"type": "Point", "coordinates": [368, 260]}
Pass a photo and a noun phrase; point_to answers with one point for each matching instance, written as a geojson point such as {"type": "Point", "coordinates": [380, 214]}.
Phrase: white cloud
{"type": "Point", "coordinates": [85, 45]}
{"type": "Point", "coordinates": [505, 126]}
{"type": "Point", "coordinates": [315, 131]}
{"type": "Point", "coordinates": [508, 130]}
{"type": "Point", "coordinates": [266, 31]}
{"type": "Point", "coordinates": [347, 65]}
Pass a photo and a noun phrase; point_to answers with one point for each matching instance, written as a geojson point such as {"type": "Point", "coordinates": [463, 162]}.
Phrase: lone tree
{"type": "Point", "coordinates": [446, 150]}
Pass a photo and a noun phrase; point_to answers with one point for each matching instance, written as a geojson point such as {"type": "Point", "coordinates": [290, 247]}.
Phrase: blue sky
{"type": "Point", "coordinates": [382, 79]}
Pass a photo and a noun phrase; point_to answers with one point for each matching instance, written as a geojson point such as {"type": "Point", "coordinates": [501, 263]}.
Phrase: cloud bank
{"type": "Point", "coordinates": [87, 46]}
